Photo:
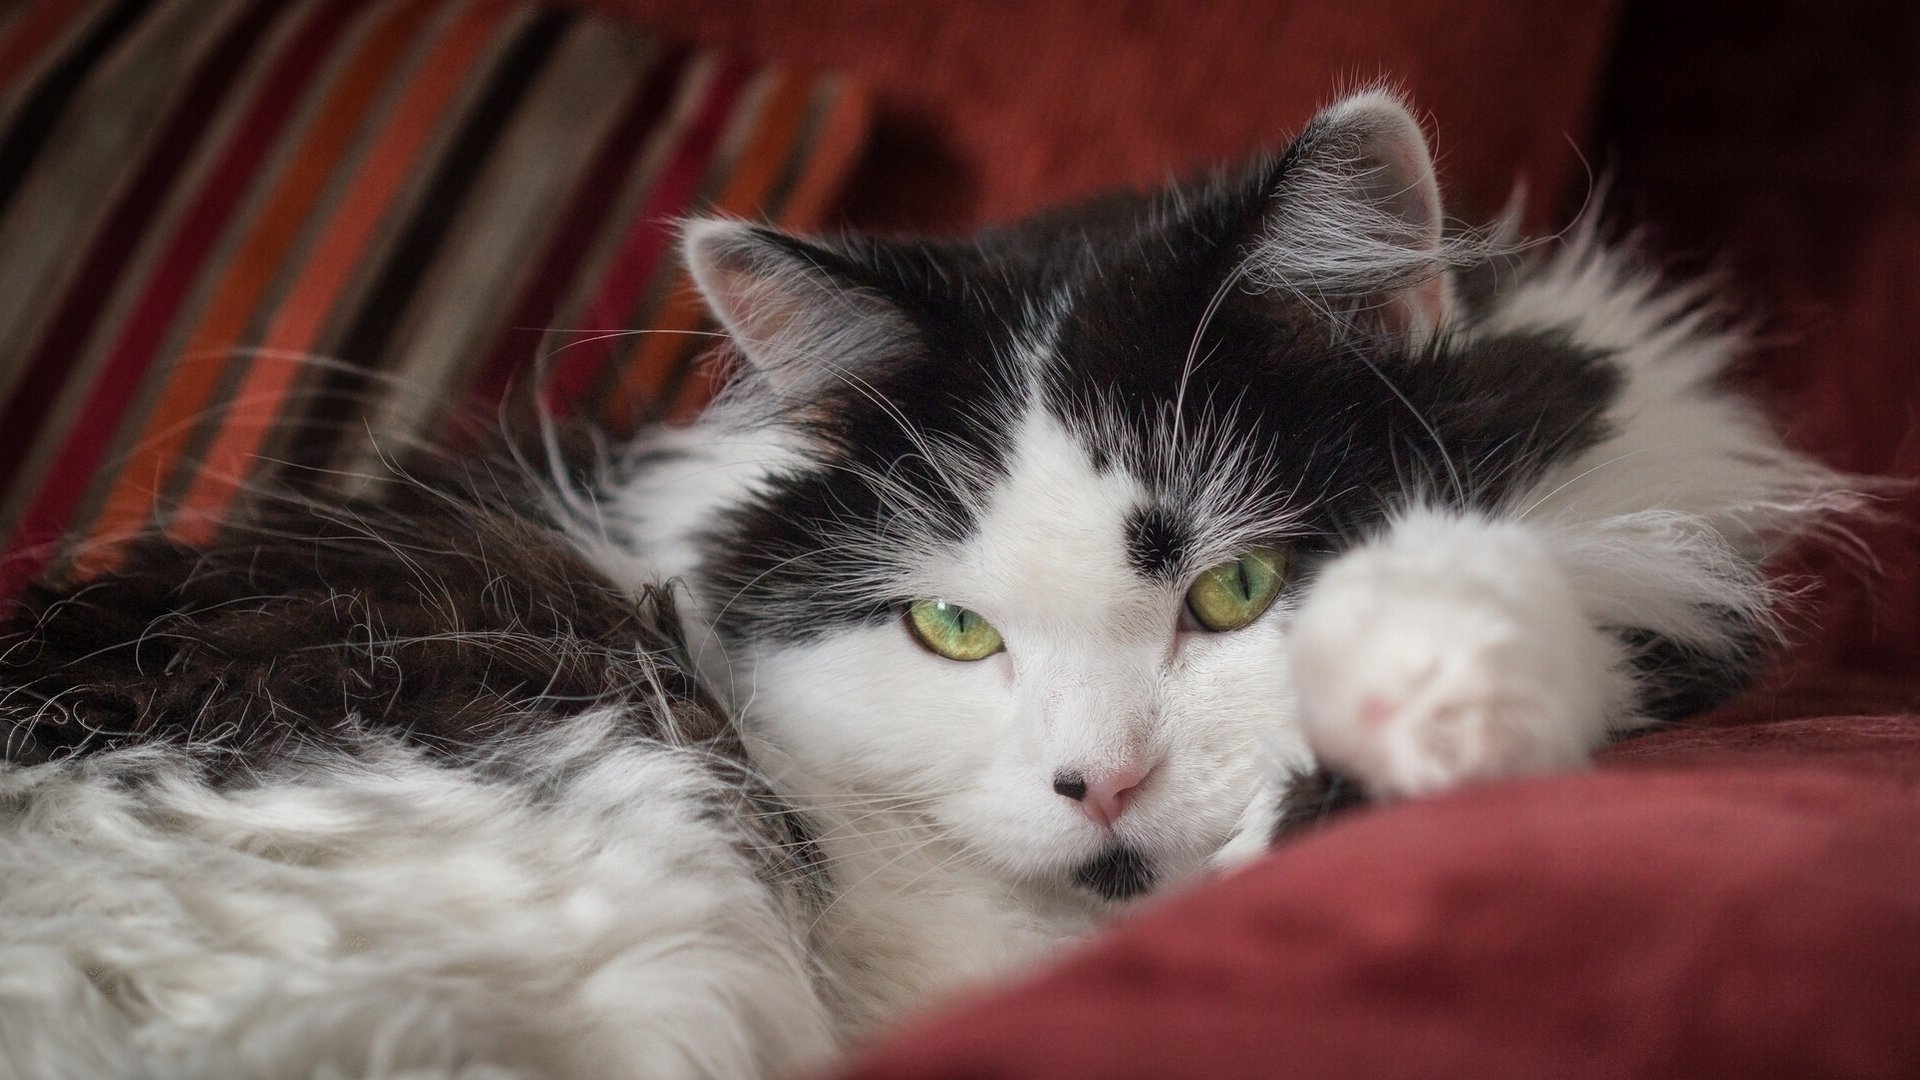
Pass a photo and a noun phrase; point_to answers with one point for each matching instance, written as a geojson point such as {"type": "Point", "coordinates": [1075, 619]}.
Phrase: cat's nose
{"type": "Point", "coordinates": [1102, 795]}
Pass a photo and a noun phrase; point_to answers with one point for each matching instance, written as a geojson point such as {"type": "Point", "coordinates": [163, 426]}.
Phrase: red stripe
{"type": "Point", "coordinates": [185, 254]}
{"type": "Point", "coordinates": [640, 254]}
{"type": "Point", "coordinates": [113, 245]}
{"type": "Point", "coordinates": [592, 200]}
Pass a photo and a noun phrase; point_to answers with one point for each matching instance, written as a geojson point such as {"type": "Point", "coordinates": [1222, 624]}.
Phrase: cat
{"type": "Point", "coordinates": [1009, 580]}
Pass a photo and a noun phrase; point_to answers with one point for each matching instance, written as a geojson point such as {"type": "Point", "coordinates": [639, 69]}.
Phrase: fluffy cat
{"type": "Point", "coordinates": [1021, 576]}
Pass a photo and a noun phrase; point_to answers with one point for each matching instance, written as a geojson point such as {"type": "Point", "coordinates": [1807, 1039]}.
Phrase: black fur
{"type": "Point", "coordinates": [1119, 873]}
{"type": "Point", "coordinates": [1157, 543]}
{"type": "Point", "coordinates": [449, 614]}
{"type": "Point", "coordinates": [1678, 681]}
{"type": "Point", "coordinates": [1311, 798]}
{"type": "Point", "coordinates": [1347, 423]}
{"type": "Point", "coordinates": [445, 612]}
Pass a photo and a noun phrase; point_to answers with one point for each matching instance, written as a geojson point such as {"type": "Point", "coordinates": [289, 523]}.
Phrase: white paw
{"type": "Point", "coordinates": [1449, 650]}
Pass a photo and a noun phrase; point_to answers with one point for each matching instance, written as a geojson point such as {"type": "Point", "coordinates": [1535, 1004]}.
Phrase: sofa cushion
{"type": "Point", "coordinates": [251, 231]}
{"type": "Point", "coordinates": [1739, 901]}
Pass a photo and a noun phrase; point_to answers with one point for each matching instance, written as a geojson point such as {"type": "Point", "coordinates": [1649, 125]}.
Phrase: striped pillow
{"type": "Point", "coordinates": [222, 223]}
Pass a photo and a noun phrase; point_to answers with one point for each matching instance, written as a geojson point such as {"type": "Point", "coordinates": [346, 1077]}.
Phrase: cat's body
{"type": "Point", "coordinates": [1034, 573]}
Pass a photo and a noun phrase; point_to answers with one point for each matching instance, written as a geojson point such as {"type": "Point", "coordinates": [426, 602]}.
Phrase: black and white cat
{"type": "Point", "coordinates": [1023, 575]}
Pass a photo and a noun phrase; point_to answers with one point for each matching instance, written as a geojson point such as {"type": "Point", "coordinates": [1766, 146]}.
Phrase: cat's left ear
{"type": "Point", "coordinates": [1353, 225]}
{"type": "Point", "coordinates": [799, 312]}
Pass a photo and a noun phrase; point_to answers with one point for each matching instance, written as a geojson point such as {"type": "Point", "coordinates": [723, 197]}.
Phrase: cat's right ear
{"type": "Point", "coordinates": [1354, 224]}
{"type": "Point", "coordinates": [797, 311]}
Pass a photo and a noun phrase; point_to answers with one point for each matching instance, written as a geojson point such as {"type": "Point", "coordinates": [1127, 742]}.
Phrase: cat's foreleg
{"type": "Point", "coordinates": [1455, 647]}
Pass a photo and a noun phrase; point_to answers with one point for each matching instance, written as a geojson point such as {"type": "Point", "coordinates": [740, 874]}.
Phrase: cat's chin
{"type": "Point", "coordinates": [1091, 879]}
{"type": "Point", "coordinates": [1125, 865]}
{"type": "Point", "coordinates": [1121, 872]}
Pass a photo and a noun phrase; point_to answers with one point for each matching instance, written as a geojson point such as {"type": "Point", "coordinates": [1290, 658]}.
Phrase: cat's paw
{"type": "Point", "coordinates": [1451, 649]}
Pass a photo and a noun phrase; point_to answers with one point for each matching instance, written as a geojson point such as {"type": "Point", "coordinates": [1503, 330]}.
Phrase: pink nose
{"type": "Point", "coordinates": [1103, 797]}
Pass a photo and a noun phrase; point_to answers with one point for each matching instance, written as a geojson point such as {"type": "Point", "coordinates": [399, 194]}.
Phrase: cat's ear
{"type": "Point", "coordinates": [797, 311]}
{"type": "Point", "coordinates": [1353, 225]}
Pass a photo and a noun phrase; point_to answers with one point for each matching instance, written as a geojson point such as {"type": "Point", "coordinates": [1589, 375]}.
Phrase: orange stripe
{"type": "Point", "coordinates": [758, 166]}
{"type": "Point", "coordinates": [192, 384]}
{"type": "Point", "coordinates": [836, 146]}
{"type": "Point", "coordinates": [302, 316]}
{"type": "Point", "coordinates": [32, 34]}
{"type": "Point", "coordinates": [780, 124]}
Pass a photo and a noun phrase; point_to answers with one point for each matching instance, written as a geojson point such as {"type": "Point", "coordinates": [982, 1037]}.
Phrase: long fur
{"type": "Point", "coordinates": [395, 787]}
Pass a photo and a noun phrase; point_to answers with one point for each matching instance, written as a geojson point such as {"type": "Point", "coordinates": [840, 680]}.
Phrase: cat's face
{"type": "Point", "coordinates": [1052, 494]}
{"type": "Point", "coordinates": [1042, 684]}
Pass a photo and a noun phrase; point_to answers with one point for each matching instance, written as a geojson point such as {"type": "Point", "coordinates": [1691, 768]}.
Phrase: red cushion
{"type": "Point", "coordinates": [1755, 912]}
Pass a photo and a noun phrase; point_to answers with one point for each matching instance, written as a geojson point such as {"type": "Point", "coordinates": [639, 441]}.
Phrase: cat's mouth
{"type": "Point", "coordinates": [1119, 873]}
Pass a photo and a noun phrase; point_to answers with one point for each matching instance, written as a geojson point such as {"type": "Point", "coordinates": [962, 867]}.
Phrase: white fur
{"type": "Point", "coordinates": [1357, 229]}
{"type": "Point", "coordinates": [393, 920]}
{"type": "Point", "coordinates": [1451, 648]}
{"type": "Point", "coordinates": [930, 781]}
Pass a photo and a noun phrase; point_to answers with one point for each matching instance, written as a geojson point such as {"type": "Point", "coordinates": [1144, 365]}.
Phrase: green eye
{"type": "Point", "coordinates": [952, 631]}
{"type": "Point", "coordinates": [1238, 591]}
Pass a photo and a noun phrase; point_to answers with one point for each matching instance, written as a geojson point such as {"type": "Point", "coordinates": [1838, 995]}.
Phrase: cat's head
{"type": "Point", "coordinates": [1052, 490]}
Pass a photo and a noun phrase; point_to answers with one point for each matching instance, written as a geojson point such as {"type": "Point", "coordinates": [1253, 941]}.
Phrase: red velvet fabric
{"type": "Point", "coordinates": [992, 108]}
{"type": "Point", "coordinates": [1742, 902]}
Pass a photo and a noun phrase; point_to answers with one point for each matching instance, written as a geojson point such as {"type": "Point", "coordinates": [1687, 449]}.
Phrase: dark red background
{"type": "Point", "coordinates": [992, 108]}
